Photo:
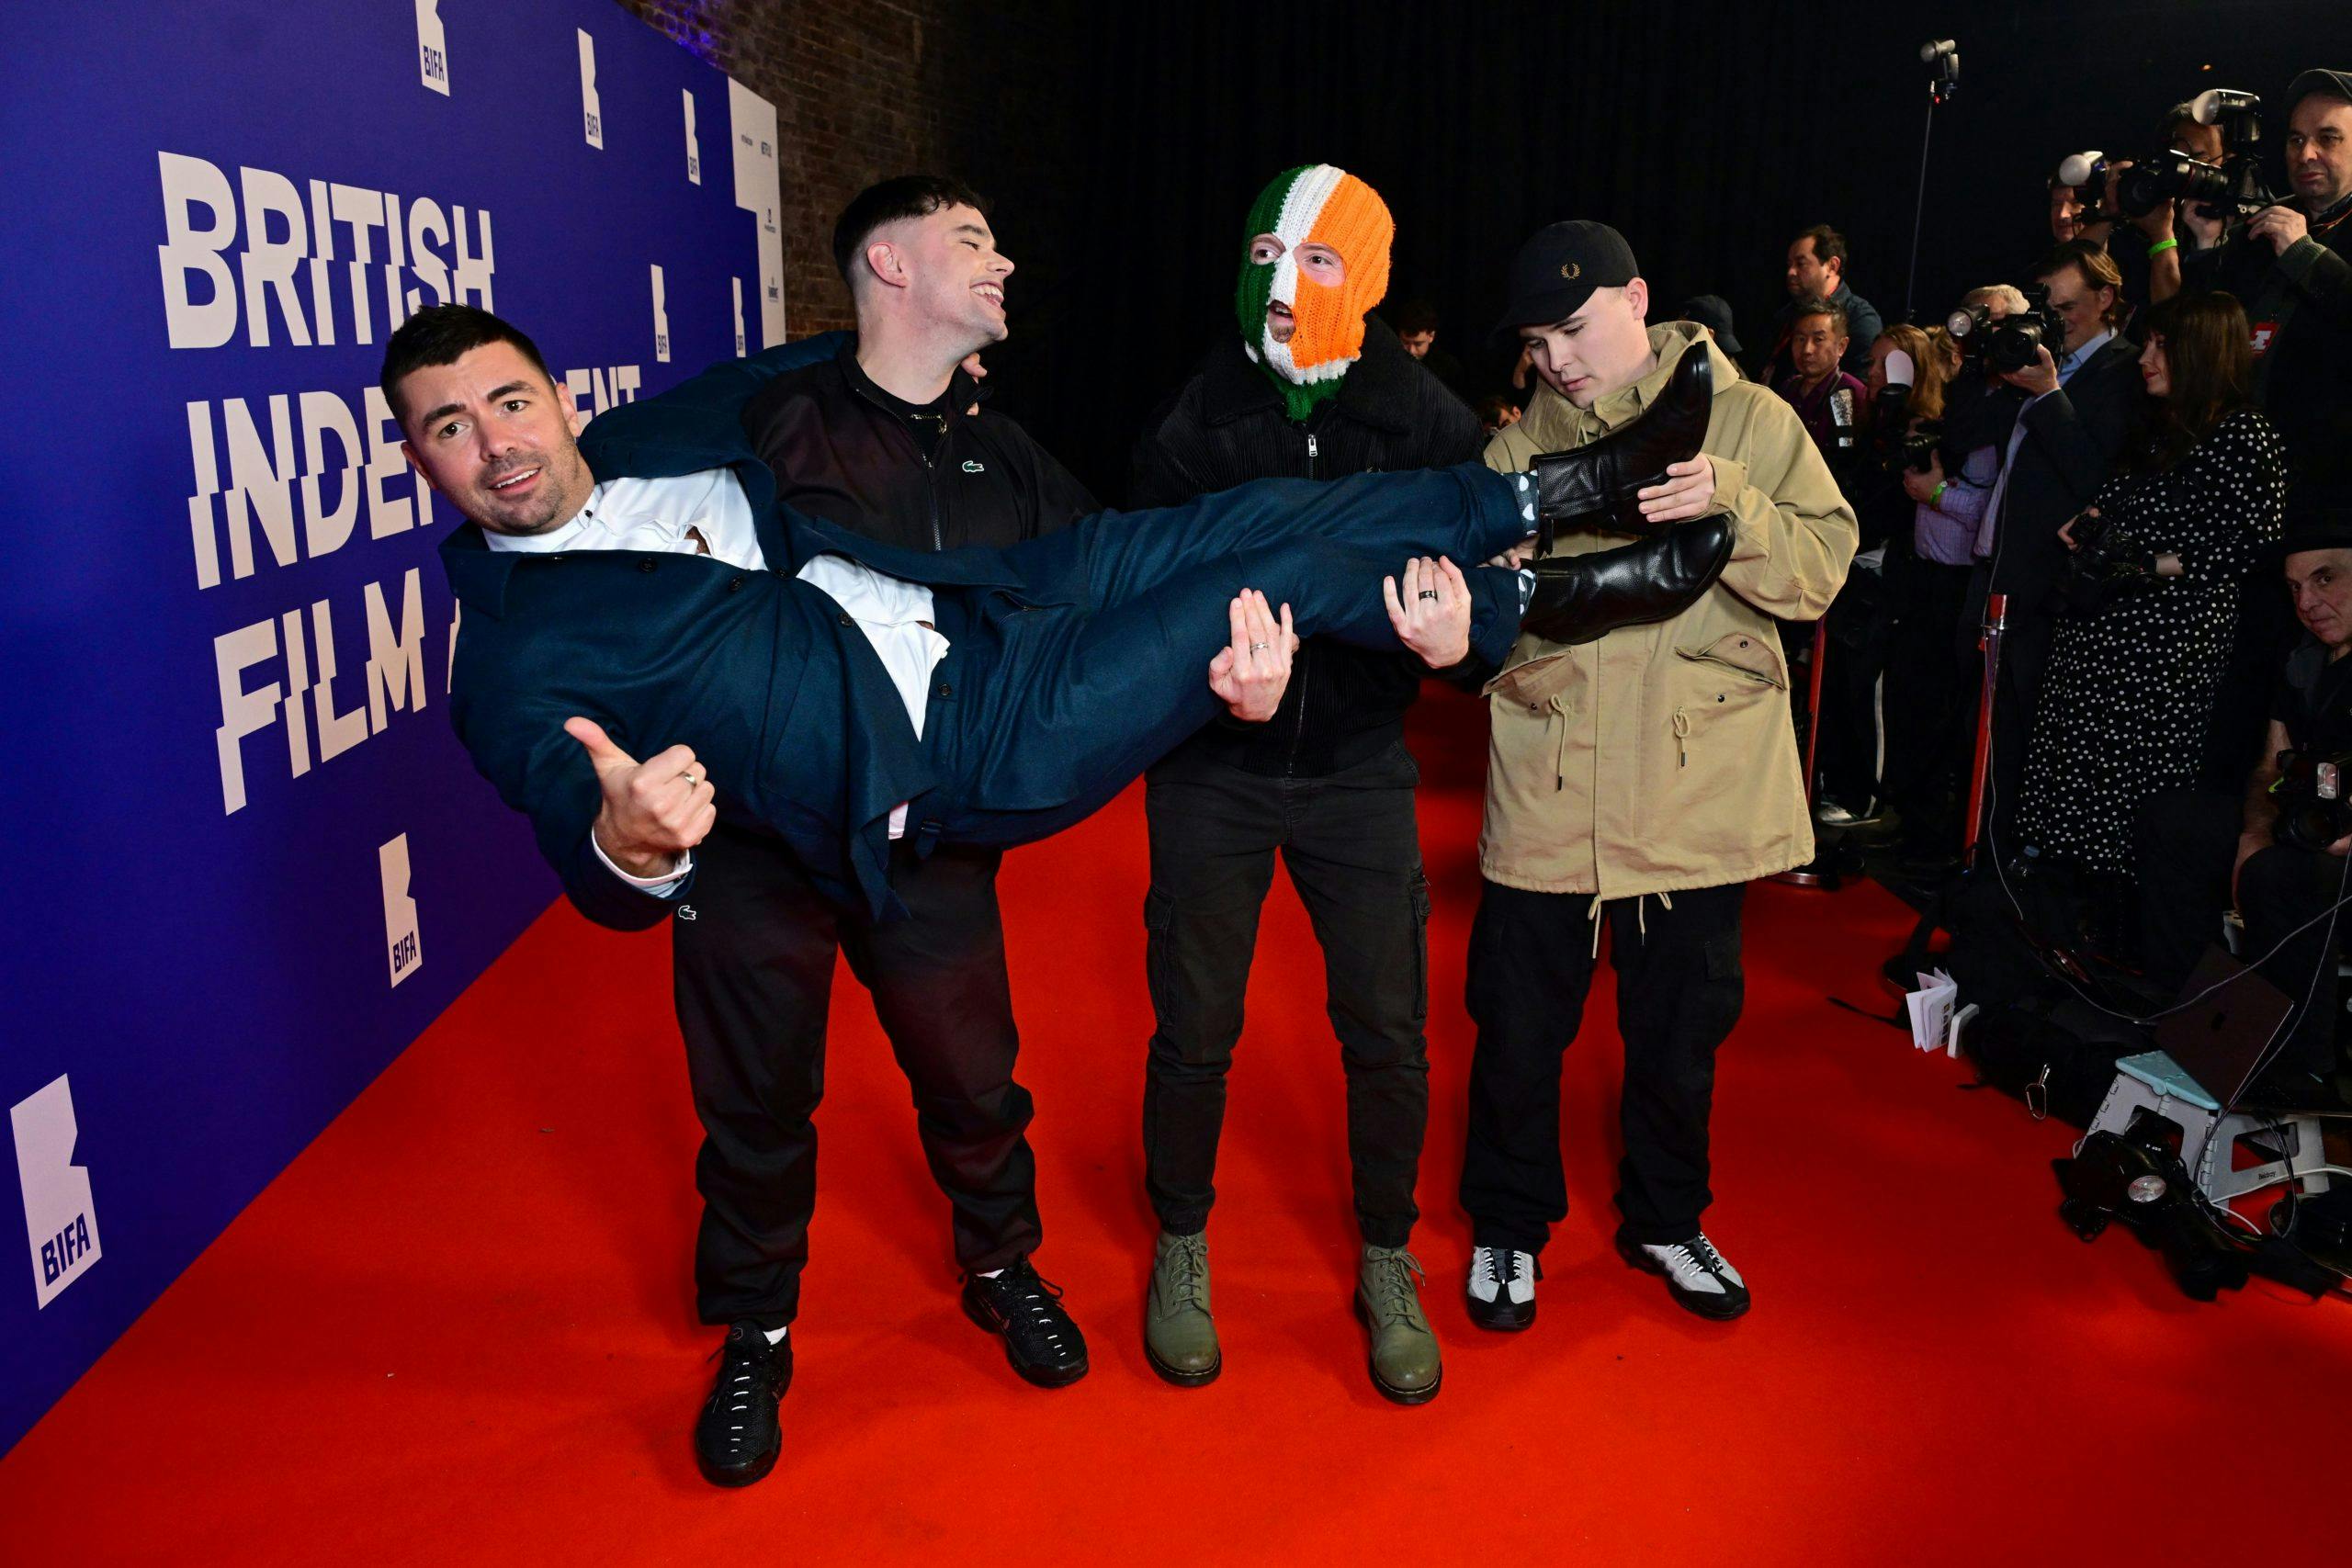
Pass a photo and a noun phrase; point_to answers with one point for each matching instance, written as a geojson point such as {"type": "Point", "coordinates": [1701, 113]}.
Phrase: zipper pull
{"type": "Point", "coordinates": [1681, 735]}
{"type": "Point", "coordinates": [1311, 454]}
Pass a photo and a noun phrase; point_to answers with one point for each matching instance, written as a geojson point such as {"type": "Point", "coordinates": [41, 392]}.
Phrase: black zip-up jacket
{"type": "Point", "coordinates": [1225, 426]}
{"type": "Point", "coordinates": [842, 452]}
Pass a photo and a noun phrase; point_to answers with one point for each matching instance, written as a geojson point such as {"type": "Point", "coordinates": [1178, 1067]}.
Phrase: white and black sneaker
{"type": "Point", "coordinates": [1501, 1288]}
{"type": "Point", "coordinates": [1696, 1275]}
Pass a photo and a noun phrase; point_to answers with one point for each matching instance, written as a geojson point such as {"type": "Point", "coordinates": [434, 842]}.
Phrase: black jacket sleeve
{"type": "Point", "coordinates": [2323, 277]}
{"type": "Point", "coordinates": [1061, 499]}
{"type": "Point", "coordinates": [1157, 477]}
{"type": "Point", "coordinates": [2081, 434]}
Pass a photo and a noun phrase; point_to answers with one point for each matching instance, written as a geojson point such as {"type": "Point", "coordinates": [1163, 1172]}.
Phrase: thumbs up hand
{"type": "Point", "coordinates": [654, 811]}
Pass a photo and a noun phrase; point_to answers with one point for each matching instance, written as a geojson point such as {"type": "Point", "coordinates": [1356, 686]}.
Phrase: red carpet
{"type": "Point", "coordinates": [460, 1329]}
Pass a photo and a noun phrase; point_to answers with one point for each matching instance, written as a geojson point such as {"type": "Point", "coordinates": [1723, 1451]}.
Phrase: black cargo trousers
{"type": "Point", "coordinates": [1352, 847]}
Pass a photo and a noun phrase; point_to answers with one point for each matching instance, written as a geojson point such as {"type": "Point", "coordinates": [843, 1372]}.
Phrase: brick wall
{"type": "Point", "coordinates": [869, 88]}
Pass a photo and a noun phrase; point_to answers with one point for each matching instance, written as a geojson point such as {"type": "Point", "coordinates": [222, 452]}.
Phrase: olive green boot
{"type": "Point", "coordinates": [1178, 1337]}
{"type": "Point", "coordinates": [1404, 1352]}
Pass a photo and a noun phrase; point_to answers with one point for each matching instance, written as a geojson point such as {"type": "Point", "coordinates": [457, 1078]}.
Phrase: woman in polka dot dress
{"type": "Point", "coordinates": [2129, 698]}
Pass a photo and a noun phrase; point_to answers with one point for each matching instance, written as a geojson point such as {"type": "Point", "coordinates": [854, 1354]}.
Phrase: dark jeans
{"type": "Point", "coordinates": [1931, 706]}
{"type": "Point", "coordinates": [1354, 854]}
{"type": "Point", "coordinates": [754, 945]}
{"type": "Point", "coordinates": [1678, 992]}
{"type": "Point", "coordinates": [2187, 840]}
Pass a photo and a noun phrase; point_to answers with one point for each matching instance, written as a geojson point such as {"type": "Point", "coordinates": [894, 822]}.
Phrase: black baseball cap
{"type": "Point", "coordinates": [2334, 84]}
{"type": "Point", "coordinates": [1712, 311]}
{"type": "Point", "coordinates": [2318, 517]}
{"type": "Point", "coordinates": [1557, 270]}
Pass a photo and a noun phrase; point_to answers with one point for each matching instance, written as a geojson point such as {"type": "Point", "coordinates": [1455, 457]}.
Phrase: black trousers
{"type": "Point", "coordinates": [1679, 989]}
{"type": "Point", "coordinates": [1354, 854]}
{"type": "Point", "coordinates": [2187, 840]}
{"type": "Point", "coordinates": [1931, 691]}
{"type": "Point", "coordinates": [755, 946]}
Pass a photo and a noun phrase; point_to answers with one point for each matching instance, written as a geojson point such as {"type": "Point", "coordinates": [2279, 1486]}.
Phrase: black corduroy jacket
{"type": "Point", "coordinates": [1225, 426]}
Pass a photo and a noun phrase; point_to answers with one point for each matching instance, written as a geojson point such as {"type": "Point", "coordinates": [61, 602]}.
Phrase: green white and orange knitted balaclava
{"type": "Point", "coordinates": [1314, 204]}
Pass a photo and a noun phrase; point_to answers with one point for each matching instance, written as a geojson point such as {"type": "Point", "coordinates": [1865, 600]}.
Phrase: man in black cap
{"type": "Point", "coordinates": [1713, 311]}
{"type": "Point", "coordinates": [1639, 781]}
{"type": "Point", "coordinates": [2201, 851]}
{"type": "Point", "coordinates": [2290, 266]}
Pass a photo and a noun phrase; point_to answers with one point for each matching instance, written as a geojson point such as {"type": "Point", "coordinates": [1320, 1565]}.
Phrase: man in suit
{"type": "Point", "coordinates": [2074, 407]}
{"type": "Point", "coordinates": [642, 590]}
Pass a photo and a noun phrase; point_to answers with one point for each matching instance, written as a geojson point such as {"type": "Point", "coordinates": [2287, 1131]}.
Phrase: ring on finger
{"type": "Point", "coordinates": [1429, 592]}
{"type": "Point", "coordinates": [1260, 646]}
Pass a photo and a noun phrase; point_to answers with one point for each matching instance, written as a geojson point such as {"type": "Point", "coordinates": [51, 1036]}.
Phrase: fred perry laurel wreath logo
{"type": "Point", "coordinates": [61, 1221]}
{"type": "Point", "coordinates": [1571, 271]}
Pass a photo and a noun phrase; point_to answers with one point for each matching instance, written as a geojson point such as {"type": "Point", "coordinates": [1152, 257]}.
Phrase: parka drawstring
{"type": "Point", "coordinates": [1681, 738]}
{"type": "Point", "coordinates": [1641, 916]}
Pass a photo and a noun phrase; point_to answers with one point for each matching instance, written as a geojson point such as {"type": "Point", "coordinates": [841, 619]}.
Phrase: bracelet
{"type": "Point", "coordinates": [2161, 246]}
{"type": "Point", "coordinates": [1936, 499]}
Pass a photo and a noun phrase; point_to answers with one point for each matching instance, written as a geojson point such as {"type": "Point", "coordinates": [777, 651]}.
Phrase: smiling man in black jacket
{"type": "Point", "coordinates": [1309, 388]}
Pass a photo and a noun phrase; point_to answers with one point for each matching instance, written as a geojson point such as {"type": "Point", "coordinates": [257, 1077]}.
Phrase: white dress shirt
{"type": "Point", "coordinates": [707, 512]}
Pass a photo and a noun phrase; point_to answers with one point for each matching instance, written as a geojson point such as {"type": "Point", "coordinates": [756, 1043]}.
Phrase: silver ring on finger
{"type": "Point", "coordinates": [1260, 646]}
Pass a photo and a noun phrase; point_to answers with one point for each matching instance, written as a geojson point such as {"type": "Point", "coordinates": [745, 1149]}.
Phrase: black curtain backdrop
{"type": "Point", "coordinates": [1708, 134]}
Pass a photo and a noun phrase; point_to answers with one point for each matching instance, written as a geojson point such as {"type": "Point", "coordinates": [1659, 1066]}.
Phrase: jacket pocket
{"type": "Point", "coordinates": [1533, 684]}
{"type": "Point", "coordinates": [1740, 655]}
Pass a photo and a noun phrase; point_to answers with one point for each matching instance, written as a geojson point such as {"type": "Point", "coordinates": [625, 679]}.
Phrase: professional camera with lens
{"type": "Point", "coordinates": [2231, 189]}
{"type": "Point", "coordinates": [2007, 343]}
{"type": "Point", "coordinates": [2310, 793]}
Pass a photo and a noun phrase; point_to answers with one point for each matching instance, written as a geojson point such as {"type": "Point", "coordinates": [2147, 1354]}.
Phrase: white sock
{"type": "Point", "coordinates": [776, 1336]}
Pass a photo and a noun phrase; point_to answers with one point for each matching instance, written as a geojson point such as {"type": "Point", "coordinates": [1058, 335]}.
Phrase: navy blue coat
{"type": "Point", "coordinates": [1075, 661]}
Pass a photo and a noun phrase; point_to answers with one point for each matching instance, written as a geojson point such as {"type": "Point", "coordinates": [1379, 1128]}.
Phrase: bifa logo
{"type": "Point", "coordinates": [403, 944]}
{"type": "Point", "coordinates": [661, 318]}
{"type": "Point", "coordinates": [737, 284]}
{"type": "Point", "coordinates": [431, 50]}
{"type": "Point", "coordinates": [61, 1221]}
{"type": "Point", "coordinates": [693, 148]}
{"type": "Point", "coordinates": [591, 114]}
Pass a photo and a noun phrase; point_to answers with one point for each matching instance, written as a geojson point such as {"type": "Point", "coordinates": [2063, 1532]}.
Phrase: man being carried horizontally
{"type": "Point", "coordinates": [978, 696]}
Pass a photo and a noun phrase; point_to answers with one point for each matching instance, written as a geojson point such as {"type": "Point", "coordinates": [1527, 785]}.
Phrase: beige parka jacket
{"type": "Point", "coordinates": [1663, 757]}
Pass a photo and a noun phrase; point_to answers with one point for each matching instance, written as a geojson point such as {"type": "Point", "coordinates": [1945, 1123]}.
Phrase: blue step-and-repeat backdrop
{"type": "Point", "coordinates": [249, 863]}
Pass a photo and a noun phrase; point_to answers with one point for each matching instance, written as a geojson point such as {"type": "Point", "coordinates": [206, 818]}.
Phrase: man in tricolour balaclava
{"type": "Point", "coordinates": [1312, 387]}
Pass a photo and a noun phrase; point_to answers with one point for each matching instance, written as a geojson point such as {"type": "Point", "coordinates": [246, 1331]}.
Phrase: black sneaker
{"type": "Point", "coordinates": [739, 1435]}
{"type": "Point", "coordinates": [1040, 1340]}
{"type": "Point", "coordinates": [1500, 1289]}
{"type": "Point", "coordinates": [1696, 1275]}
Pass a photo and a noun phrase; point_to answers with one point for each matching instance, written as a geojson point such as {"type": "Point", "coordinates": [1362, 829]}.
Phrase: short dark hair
{"type": "Point", "coordinates": [1413, 316]}
{"type": "Point", "coordinates": [907, 196]}
{"type": "Point", "coordinates": [1811, 305]}
{"type": "Point", "coordinates": [1829, 245]}
{"type": "Point", "coordinates": [2180, 113]}
{"type": "Point", "coordinates": [2097, 268]}
{"type": "Point", "coordinates": [443, 334]}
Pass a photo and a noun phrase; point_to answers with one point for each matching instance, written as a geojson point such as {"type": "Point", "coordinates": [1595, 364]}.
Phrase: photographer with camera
{"type": "Point", "coordinates": [2151, 603]}
{"type": "Point", "coordinates": [2076, 390]}
{"type": "Point", "coordinates": [2287, 262]}
{"type": "Point", "coordinates": [1928, 682]}
{"type": "Point", "coordinates": [2278, 852]}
